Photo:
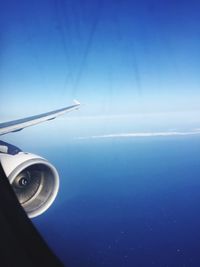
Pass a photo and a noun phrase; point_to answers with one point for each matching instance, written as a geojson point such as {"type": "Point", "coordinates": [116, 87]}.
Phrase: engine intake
{"type": "Point", "coordinates": [34, 180]}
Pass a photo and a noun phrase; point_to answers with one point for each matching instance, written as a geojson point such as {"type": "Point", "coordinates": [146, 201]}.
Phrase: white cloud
{"type": "Point", "coordinates": [143, 134]}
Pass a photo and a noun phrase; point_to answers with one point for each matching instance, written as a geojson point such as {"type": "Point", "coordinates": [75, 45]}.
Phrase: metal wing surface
{"type": "Point", "coordinates": [18, 125]}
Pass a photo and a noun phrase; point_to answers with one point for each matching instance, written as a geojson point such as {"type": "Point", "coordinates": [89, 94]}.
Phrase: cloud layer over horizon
{"type": "Point", "coordinates": [143, 134]}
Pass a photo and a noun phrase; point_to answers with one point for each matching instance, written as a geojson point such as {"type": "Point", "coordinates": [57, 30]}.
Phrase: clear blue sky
{"type": "Point", "coordinates": [117, 57]}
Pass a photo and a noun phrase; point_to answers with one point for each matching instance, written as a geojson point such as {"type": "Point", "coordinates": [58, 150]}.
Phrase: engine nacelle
{"type": "Point", "coordinates": [34, 180]}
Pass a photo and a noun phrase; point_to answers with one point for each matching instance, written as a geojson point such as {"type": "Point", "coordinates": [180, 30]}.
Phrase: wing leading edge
{"type": "Point", "coordinates": [18, 125]}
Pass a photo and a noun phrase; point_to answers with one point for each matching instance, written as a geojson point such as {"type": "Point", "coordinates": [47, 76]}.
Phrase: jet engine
{"type": "Point", "coordinates": [34, 180]}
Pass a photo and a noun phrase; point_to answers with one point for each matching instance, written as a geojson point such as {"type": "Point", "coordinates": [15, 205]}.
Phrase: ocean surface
{"type": "Point", "coordinates": [126, 202]}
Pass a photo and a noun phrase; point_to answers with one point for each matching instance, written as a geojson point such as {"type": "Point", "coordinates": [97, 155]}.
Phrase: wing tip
{"type": "Point", "coordinates": [76, 102]}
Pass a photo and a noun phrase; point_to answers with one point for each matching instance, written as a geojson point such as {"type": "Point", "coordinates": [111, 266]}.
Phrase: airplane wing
{"type": "Point", "coordinates": [18, 125]}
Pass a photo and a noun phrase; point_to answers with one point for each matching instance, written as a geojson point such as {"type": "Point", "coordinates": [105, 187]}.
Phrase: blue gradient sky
{"type": "Point", "coordinates": [134, 64]}
{"type": "Point", "coordinates": [117, 57]}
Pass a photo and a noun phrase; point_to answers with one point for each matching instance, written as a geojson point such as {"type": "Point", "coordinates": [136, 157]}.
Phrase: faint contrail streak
{"type": "Point", "coordinates": [143, 134]}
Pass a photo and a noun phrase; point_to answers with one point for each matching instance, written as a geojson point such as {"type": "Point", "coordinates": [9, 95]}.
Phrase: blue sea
{"type": "Point", "coordinates": [126, 202]}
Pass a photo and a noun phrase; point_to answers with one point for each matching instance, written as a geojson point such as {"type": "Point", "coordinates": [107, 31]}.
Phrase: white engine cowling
{"type": "Point", "coordinates": [34, 180]}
